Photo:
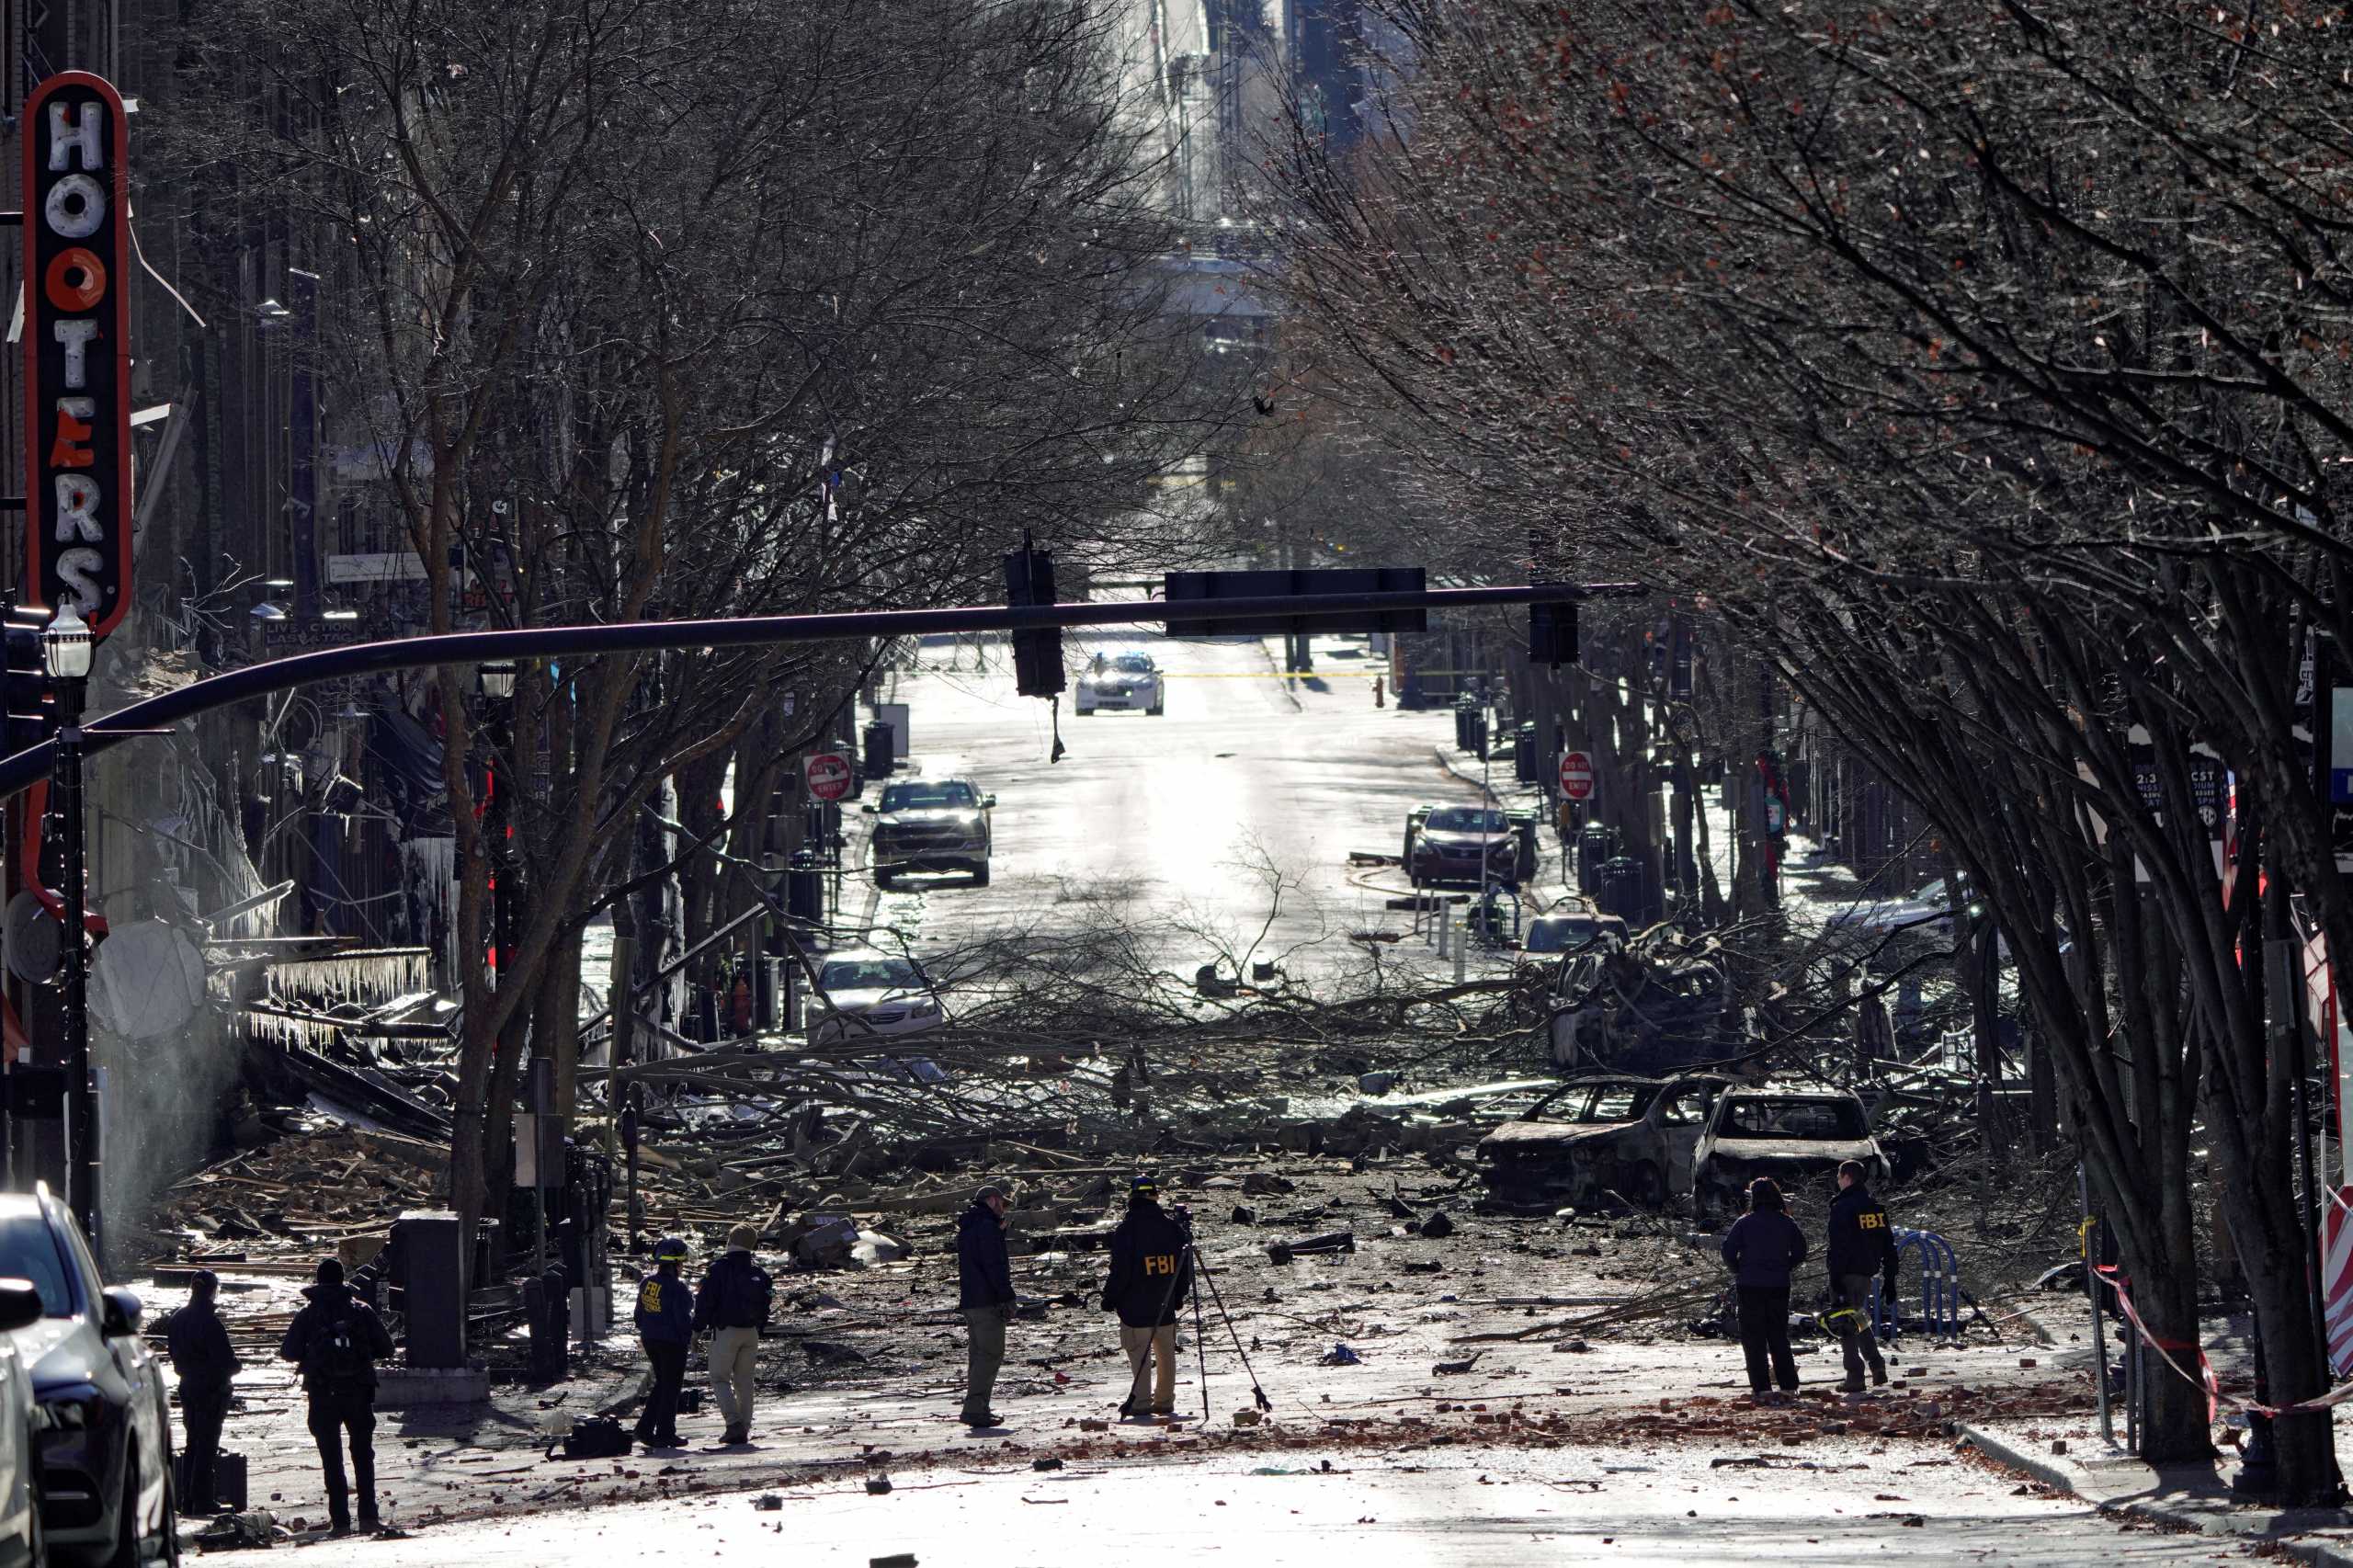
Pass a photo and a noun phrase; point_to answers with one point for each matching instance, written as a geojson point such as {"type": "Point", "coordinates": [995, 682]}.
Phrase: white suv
{"type": "Point", "coordinates": [1129, 680]}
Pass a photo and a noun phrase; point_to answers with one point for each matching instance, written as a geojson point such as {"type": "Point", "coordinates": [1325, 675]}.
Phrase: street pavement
{"type": "Point", "coordinates": [1467, 1507]}
{"type": "Point", "coordinates": [1224, 824]}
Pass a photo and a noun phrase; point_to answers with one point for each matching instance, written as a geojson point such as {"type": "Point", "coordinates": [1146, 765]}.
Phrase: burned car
{"type": "Point", "coordinates": [1631, 1136]}
{"type": "Point", "coordinates": [1640, 1010]}
{"type": "Point", "coordinates": [1796, 1136]}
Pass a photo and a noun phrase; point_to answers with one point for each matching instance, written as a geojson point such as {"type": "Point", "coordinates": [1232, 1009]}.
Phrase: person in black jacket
{"type": "Point", "coordinates": [1862, 1245]}
{"type": "Point", "coordinates": [338, 1340]}
{"type": "Point", "coordinates": [200, 1354]}
{"type": "Point", "coordinates": [1152, 1270]}
{"type": "Point", "coordinates": [1760, 1249]}
{"type": "Point", "coordinates": [734, 1303]}
{"type": "Point", "coordinates": [985, 1291]}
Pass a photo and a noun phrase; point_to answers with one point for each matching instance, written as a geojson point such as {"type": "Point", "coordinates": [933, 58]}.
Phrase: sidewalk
{"type": "Point", "coordinates": [2193, 1497]}
{"type": "Point", "coordinates": [2197, 1497]}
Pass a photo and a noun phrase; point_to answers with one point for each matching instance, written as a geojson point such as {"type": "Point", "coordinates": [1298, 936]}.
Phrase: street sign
{"type": "Point", "coordinates": [1576, 775]}
{"type": "Point", "coordinates": [828, 774]}
{"type": "Point", "coordinates": [77, 349]}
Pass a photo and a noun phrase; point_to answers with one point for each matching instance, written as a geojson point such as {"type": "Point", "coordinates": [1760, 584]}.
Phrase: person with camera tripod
{"type": "Point", "coordinates": [1151, 1274]}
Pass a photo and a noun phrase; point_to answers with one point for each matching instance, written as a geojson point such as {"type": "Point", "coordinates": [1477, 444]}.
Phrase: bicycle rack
{"type": "Point", "coordinates": [1939, 1286]}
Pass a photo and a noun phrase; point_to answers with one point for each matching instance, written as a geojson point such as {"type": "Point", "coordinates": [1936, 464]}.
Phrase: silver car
{"type": "Point", "coordinates": [105, 1430]}
{"type": "Point", "coordinates": [21, 1539]}
{"type": "Point", "coordinates": [872, 995]}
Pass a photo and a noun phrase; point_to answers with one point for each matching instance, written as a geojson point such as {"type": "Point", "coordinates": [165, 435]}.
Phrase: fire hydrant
{"type": "Point", "coordinates": [1379, 701]}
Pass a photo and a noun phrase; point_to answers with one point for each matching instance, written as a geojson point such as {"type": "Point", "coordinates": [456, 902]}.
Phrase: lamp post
{"type": "Point", "coordinates": [66, 650]}
{"type": "Point", "coordinates": [497, 682]}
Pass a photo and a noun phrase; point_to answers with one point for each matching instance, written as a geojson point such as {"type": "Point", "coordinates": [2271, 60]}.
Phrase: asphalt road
{"type": "Point", "coordinates": [1459, 1506]}
{"type": "Point", "coordinates": [1225, 823]}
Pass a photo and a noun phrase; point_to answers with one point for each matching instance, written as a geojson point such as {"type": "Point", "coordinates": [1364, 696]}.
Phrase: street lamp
{"type": "Point", "coordinates": [66, 650]}
{"type": "Point", "coordinates": [496, 680]}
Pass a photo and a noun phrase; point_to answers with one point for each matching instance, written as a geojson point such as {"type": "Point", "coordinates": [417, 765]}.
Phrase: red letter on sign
{"type": "Point", "coordinates": [72, 449]}
{"type": "Point", "coordinates": [76, 279]}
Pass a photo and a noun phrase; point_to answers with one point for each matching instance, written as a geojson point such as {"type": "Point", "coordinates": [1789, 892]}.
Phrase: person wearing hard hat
{"type": "Point", "coordinates": [666, 1326]}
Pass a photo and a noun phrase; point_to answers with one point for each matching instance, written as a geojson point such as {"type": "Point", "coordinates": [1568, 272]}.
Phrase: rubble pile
{"type": "Point", "coordinates": [312, 1185]}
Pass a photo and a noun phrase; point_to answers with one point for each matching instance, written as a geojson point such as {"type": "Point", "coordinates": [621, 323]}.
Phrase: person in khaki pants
{"type": "Point", "coordinates": [734, 1303]}
{"type": "Point", "coordinates": [1152, 1272]}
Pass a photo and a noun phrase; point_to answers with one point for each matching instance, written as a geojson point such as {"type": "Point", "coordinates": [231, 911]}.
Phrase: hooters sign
{"type": "Point", "coordinates": [77, 349]}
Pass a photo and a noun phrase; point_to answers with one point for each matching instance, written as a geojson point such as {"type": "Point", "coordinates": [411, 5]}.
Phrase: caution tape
{"type": "Point", "coordinates": [2107, 1274]}
{"type": "Point", "coordinates": [2215, 1398]}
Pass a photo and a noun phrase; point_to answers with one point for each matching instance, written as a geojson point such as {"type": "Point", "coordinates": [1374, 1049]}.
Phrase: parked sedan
{"type": "Point", "coordinates": [22, 1544]}
{"type": "Point", "coordinates": [106, 1437]}
{"type": "Point", "coordinates": [874, 994]}
{"type": "Point", "coordinates": [1797, 1137]}
{"type": "Point", "coordinates": [1571, 932]}
{"type": "Point", "coordinates": [1129, 681]}
{"type": "Point", "coordinates": [1926, 912]}
{"type": "Point", "coordinates": [1467, 844]}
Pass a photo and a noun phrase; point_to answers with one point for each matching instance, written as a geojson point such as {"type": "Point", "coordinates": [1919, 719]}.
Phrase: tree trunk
{"type": "Point", "coordinates": [555, 1022]}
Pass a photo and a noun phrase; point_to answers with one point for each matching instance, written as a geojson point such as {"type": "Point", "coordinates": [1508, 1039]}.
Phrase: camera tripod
{"type": "Point", "coordinates": [1194, 1273]}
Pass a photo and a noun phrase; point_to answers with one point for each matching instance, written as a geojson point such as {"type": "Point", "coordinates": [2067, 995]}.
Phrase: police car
{"type": "Point", "coordinates": [1127, 680]}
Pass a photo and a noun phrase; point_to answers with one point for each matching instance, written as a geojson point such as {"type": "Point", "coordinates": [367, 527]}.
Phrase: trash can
{"type": "Point", "coordinates": [879, 759]}
{"type": "Point", "coordinates": [773, 984]}
{"type": "Point", "coordinates": [1475, 725]}
{"type": "Point", "coordinates": [1618, 888]}
{"type": "Point", "coordinates": [1464, 706]}
{"type": "Point", "coordinates": [1523, 754]}
{"type": "Point", "coordinates": [805, 888]}
{"type": "Point", "coordinates": [1596, 843]}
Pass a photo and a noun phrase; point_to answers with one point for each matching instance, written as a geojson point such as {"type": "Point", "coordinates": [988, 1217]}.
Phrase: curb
{"type": "Point", "coordinates": [1485, 787]}
{"type": "Point", "coordinates": [2333, 1554]}
{"type": "Point", "coordinates": [1289, 696]}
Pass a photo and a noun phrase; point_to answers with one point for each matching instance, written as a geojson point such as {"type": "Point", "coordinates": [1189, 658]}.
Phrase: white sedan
{"type": "Point", "coordinates": [872, 995]}
{"type": "Point", "coordinates": [1130, 681]}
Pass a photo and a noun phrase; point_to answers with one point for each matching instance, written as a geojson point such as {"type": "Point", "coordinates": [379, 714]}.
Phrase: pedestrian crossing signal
{"type": "Point", "coordinates": [1553, 633]}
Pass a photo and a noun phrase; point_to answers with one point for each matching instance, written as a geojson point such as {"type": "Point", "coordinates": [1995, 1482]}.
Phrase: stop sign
{"type": "Point", "coordinates": [828, 774]}
{"type": "Point", "coordinates": [1576, 775]}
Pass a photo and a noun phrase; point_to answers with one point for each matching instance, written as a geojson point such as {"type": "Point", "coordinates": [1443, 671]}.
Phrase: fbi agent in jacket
{"type": "Point", "coordinates": [1862, 1245]}
{"type": "Point", "coordinates": [1760, 1249]}
{"type": "Point", "coordinates": [666, 1325]}
{"type": "Point", "coordinates": [984, 1292]}
{"type": "Point", "coordinates": [1152, 1273]}
{"type": "Point", "coordinates": [337, 1339]}
{"type": "Point", "coordinates": [734, 1303]}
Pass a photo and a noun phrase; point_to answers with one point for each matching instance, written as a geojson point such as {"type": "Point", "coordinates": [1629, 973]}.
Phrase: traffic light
{"type": "Point", "coordinates": [1036, 651]}
{"type": "Point", "coordinates": [1553, 633]}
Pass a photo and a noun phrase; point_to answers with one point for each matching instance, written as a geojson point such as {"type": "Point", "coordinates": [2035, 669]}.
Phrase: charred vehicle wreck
{"type": "Point", "coordinates": [1797, 1137]}
{"type": "Point", "coordinates": [1632, 1137]}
